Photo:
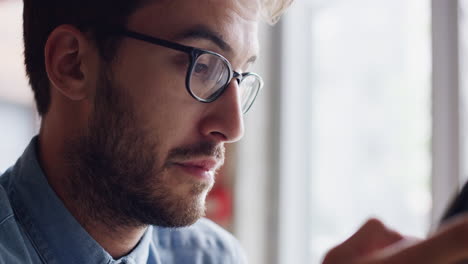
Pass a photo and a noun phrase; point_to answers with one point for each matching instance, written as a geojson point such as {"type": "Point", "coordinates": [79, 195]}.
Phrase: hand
{"type": "Point", "coordinates": [374, 243]}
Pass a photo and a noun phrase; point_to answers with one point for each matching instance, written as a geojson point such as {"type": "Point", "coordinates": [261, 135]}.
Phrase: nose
{"type": "Point", "coordinates": [224, 120]}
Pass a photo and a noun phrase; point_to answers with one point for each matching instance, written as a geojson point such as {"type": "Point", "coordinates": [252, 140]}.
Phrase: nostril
{"type": "Point", "coordinates": [219, 136]}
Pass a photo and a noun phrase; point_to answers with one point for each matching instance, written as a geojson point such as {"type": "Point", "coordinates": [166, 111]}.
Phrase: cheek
{"type": "Point", "coordinates": [158, 90]}
{"type": "Point", "coordinates": [166, 117]}
{"type": "Point", "coordinates": [164, 102]}
{"type": "Point", "coordinates": [163, 107]}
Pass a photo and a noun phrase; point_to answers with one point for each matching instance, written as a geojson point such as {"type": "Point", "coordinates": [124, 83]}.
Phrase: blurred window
{"type": "Point", "coordinates": [370, 117]}
{"type": "Point", "coordinates": [17, 113]}
{"type": "Point", "coordinates": [17, 128]}
{"type": "Point", "coordinates": [358, 101]}
{"type": "Point", "coordinates": [463, 23]}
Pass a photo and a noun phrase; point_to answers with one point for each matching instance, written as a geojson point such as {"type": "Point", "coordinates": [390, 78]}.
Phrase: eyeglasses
{"type": "Point", "coordinates": [209, 73]}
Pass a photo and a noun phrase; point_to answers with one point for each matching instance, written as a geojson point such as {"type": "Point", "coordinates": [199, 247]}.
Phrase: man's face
{"type": "Point", "coordinates": [151, 150]}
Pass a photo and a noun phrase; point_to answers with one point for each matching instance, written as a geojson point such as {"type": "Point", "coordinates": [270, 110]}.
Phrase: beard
{"type": "Point", "coordinates": [118, 180]}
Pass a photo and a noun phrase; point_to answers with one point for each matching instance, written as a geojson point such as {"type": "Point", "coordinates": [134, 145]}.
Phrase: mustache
{"type": "Point", "coordinates": [200, 149]}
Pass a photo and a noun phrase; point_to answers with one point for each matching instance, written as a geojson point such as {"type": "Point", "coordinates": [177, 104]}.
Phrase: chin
{"type": "Point", "coordinates": [186, 214]}
{"type": "Point", "coordinates": [182, 208]}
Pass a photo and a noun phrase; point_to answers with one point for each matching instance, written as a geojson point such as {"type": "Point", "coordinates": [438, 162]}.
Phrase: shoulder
{"type": "Point", "coordinates": [208, 231]}
{"type": "Point", "coordinates": [12, 245]}
{"type": "Point", "coordinates": [6, 223]}
{"type": "Point", "coordinates": [204, 237]}
{"type": "Point", "coordinates": [6, 212]}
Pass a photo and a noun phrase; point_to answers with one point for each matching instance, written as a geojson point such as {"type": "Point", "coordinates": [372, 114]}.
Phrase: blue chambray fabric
{"type": "Point", "coordinates": [35, 227]}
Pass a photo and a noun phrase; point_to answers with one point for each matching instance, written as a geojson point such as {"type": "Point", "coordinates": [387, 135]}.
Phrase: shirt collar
{"type": "Point", "coordinates": [56, 234]}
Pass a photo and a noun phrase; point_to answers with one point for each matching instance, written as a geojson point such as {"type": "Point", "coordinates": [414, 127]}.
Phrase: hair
{"type": "Point", "coordinates": [273, 9]}
{"type": "Point", "coordinates": [41, 17]}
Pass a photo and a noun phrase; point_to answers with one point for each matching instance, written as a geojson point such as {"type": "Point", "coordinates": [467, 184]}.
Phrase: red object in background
{"type": "Point", "coordinates": [219, 202]}
{"type": "Point", "coordinates": [219, 205]}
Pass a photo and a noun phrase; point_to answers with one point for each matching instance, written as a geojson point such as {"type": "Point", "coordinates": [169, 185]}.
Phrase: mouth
{"type": "Point", "coordinates": [203, 169]}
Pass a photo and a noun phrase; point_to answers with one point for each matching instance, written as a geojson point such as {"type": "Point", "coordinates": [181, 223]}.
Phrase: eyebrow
{"type": "Point", "coordinates": [204, 32]}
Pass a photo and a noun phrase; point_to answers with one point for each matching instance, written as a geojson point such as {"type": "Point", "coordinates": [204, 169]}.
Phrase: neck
{"type": "Point", "coordinates": [117, 240]}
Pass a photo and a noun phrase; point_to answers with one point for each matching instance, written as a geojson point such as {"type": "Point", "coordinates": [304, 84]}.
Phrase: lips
{"type": "Point", "coordinates": [201, 164]}
{"type": "Point", "coordinates": [203, 169]}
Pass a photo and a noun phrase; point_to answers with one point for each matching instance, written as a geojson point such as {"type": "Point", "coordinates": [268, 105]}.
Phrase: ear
{"type": "Point", "coordinates": [66, 64]}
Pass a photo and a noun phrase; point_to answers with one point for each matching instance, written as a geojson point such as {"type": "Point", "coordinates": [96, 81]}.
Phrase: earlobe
{"type": "Point", "coordinates": [64, 52]}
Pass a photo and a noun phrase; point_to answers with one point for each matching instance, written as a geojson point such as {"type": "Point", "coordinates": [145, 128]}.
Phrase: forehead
{"type": "Point", "coordinates": [236, 21]}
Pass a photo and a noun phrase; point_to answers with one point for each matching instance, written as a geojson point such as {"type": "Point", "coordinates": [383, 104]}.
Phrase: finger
{"type": "Point", "coordinates": [372, 236]}
{"type": "Point", "coordinates": [388, 254]}
{"type": "Point", "coordinates": [449, 245]}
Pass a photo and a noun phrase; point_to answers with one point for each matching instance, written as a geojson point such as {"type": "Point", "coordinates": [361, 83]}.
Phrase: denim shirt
{"type": "Point", "coordinates": [35, 227]}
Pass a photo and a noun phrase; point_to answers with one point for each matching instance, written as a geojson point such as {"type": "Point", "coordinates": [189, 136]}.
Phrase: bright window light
{"type": "Point", "coordinates": [369, 117]}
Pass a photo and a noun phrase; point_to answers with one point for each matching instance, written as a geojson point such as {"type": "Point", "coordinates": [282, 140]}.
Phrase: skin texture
{"type": "Point", "coordinates": [118, 136]}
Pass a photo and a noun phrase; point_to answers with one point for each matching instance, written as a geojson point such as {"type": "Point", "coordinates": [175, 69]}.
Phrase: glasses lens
{"type": "Point", "coordinates": [249, 87]}
{"type": "Point", "coordinates": [209, 74]}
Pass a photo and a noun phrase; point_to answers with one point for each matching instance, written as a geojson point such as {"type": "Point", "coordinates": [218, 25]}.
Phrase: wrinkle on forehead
{"type": "Point", "coordinates": [245, 9]}
{"type": "Point", "coordinates": [236, 21]}
{"type": "Point", "coordinates": [161, 11]}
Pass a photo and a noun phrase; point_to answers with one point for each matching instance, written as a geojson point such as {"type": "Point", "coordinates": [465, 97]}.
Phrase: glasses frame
{"type": "Point", "coordinates": [194, 54]}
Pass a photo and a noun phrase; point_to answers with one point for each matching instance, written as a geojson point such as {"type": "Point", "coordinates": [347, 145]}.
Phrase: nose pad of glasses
{"type": "Point", "coordinates": [238, 77]}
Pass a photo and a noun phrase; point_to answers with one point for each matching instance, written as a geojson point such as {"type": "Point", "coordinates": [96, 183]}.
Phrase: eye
{"type": "Point", "coordinates": [201, 68]}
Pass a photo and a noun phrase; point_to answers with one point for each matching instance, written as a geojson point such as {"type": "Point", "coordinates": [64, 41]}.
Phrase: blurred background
{"type": "Point", "coordinates": [363, 115]}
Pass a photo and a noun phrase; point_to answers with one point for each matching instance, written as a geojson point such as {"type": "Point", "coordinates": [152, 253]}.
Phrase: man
{"type": "Point", "coordinates": [137, 100]}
